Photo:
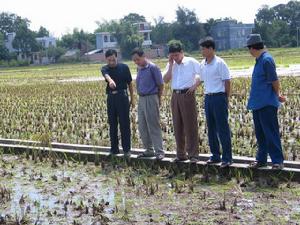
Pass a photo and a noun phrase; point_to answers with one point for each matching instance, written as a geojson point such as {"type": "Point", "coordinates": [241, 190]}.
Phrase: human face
{"type": "Point", "coordinates": [206, 52]}
{"type": "Point", "coordinates": [177, 56]}
{"type": "Point", "coordinates": [139, 60]}
{"type": "Point", "coordinates": [112, 61]}
{"type": "Point", "coordinates": [251, 51]}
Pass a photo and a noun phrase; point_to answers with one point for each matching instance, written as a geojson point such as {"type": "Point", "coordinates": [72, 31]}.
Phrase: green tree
{"type": "Point", "coordinates": [4, 54]}
{"type": "Point", "coordinates": [187, 28]}
{"type": "Point", "coordinates": [42, 32]}
{"type": "Point", "coordinates": [278, 25]}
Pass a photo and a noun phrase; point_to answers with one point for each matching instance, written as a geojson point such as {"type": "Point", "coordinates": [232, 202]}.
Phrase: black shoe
{"type": "Point", "coordinates": [194, 159]}
{"type": "Point", "coordinates": [257, 164]}
{"type": "Point", "coordinates": [144, 155]}
{"type": "Point", "coordinates": [225, 164]}
{"type": "Point", "coordinates": [211, 162]}
{"type": "Point", "coordinates": [127, 154]}
{"type": "Point", "coordinates": [179, 159]}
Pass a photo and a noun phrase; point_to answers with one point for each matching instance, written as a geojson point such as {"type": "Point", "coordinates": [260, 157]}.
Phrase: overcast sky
{"type": "Point", "coordinates": [61, 16]}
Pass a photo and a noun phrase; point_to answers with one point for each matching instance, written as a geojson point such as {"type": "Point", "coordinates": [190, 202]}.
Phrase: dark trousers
{"type": "Point", "coordinates": [184, 115]}
{"type": "Point", "coordinates": [118, 113]}
{"type": "Point", "coordinates": [267, 134]}
{"type": "Point", "coordinates": [216, 112]}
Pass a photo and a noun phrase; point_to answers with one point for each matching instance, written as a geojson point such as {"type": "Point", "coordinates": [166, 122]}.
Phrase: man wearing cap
{"type": "Point", "coordinates": [149, 84]}
{"type": "Point", "coordinates": [118, 78]}
{"type": "Point", "coordinates": [264, 101]}
{"type": "Point", "coordinates": [183, 72]}
{"type": "Point", "coordinates": [215, 75]}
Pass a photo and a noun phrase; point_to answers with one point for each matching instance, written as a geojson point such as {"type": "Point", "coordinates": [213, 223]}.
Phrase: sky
{"type": "Point", "coordinates": [61, 16]}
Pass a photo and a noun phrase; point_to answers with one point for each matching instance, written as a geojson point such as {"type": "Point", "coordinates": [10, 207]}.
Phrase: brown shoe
{"type": "Point", "coordinates": [257, 164]}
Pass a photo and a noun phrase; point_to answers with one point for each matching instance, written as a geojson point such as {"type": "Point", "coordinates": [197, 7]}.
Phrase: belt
{"type": "Point", "coordinates": [216, 93]}
{"type": "Point", "coordinates": [180, 91]}
{"type": "Point", "coordinates": [143, 95]}
{"type": "Point", "coordinates": [114, 92]}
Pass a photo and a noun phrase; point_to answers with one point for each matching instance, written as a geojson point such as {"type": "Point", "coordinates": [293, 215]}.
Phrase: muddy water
{"type": "Point", "coordinates": [57, 192]}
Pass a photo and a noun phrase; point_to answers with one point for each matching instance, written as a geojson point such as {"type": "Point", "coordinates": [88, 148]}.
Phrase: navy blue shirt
{"type": "Point", "coordinates": [120, 75]}
{"type": "Point", "coordinates": [262, 93]}
{"type": "Point", "coordinates": [148, 79]}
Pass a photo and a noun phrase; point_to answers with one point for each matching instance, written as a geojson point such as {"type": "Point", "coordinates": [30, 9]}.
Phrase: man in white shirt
{"type": "Point", "coordinates": [183, 72]}
{"type": "Point", "coordinates": [215, 74]}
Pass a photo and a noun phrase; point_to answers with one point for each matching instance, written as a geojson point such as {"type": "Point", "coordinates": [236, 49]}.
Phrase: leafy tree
{"type": "Point", "coordinates": [42, 32]}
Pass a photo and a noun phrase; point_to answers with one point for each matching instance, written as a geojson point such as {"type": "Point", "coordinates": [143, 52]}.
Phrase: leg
{"type": "Point", "coordinates": [113, 124]}
{"type": "Point", "coordinates": [189, 116]}
{"type": "Point", "coordinates": [153, 123]}
{"type": "Point", "coordinates": [178, 126]}
{"type": "Point", "coordinates": [262, 154]}
{"type": "Point", "coordinates": [124, 120]}
{"type": "Point", "coordinates": [221, 115]}
{"type": "Point", "coordinates": [143, 126]}
{"type": "Point", "coordinates": [212, 131]}
{"type": "Point", "coordinates": [269, 122]}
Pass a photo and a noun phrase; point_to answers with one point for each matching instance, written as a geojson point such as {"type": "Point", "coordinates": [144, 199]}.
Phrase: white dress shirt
{"type": "Point", "coordinates": [184, 74]}
{"type": "Point", "coordinates": [214, 74]}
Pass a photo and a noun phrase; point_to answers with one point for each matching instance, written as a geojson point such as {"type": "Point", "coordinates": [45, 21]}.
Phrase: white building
{"type": "Point", "coordinates": [105, 40]}
{"type": "Point", "coordinates": [46, 42]}
{"type": "Point", "coordinates": [9, 38]}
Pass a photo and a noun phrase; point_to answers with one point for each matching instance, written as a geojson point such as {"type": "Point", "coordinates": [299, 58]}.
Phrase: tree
{"type": "Point", "coordinates": [25, 41]}
{"type": "Point", "coordinates": [125, 31]}
{"type": "Point", "coordinates": [42, 32]}
{"type": "Point", "coordinates": [161, 32]}
{"type": "Point", "coordinates": [4, 54]}
{"type": "Point", "coordinates": [10, 22]}
{"type": "Point", "coordinates": [78, 40]}
{"type": "Point", "coordinates": [187, 28]}
{"type": "Point", "coordinates": [278, 25]}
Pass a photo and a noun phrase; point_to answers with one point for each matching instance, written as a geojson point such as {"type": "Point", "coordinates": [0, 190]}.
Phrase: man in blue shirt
{"type": "Point", "coordinates": [118, 78]}
{"type": "Point", "coordinates": [149, 84]}
{"type": "Point", "coordinates": [264, 101]}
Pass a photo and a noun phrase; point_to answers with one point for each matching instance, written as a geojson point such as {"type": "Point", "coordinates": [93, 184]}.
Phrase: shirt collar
{"type": "Point", "coordinates": [261, 56]}
{"type": "Point", "coordinates": [145, 67]}
{"type": "Point", "coordinates": [212, 61]}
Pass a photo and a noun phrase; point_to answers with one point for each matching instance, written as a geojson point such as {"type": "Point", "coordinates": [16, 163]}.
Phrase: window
{"type": "Point", "coordinates": [105, 38]}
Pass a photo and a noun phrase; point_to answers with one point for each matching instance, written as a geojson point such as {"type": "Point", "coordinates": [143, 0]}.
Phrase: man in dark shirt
{"type": "Point", "coordinates": [118, 78]}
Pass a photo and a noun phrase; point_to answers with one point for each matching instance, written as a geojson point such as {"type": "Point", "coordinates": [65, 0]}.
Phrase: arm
{"type": "Point", "coordinates": [132, 102]}
{"type": "Point", "coordinates": [168, 75]}
{"type": "Point", "coordinates": [194, 87]}
{"type": "Point", "coordinates": [227, 88]}
{"type": "Point", "coordinates": [110, 81]}
{"type": "Point", "coordinates": [160, 92]}
{"type": "Point", "coordinates": [276, 88]}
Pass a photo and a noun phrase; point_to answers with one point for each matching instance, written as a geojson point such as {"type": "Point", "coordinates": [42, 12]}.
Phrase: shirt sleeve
{"type": "Point", "coordinates": [197, 69]}
{"type": "Point", "coordinates": [270, 69]}
{"type": "Point", "coordinates": [157, 75]}
{"type": "Point", "coordinates": [104, 70]}
{"type": "Point", "coordinates": [224, 70]}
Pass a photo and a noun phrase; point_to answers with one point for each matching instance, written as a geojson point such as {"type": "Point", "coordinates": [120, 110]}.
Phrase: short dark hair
{"type": "Point", "coordinates": [111, 52]}
{"type": "Point", "coordinates": [175, 46]}
{"type": "Point", "coordinates": [207, 42]}
{"type": "Point", "coordinates": [140, 52]}
{"type": "Point", "coordinates": [257, 46]}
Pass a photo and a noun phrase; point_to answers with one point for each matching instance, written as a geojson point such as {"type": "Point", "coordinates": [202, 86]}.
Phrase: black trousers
{"type": "Point", "coordinates": [118, 113]}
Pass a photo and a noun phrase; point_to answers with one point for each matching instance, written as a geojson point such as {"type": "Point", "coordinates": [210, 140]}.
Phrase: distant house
{"type": "Point", "coordinates": [9, 38]}
{"type": "Point", "coordinates": [46, 42]}
{"type": "Point", "coordinates": [144, 28]}
{"type": "Point", "coordinates": [106, 40]}
{"type": "Point", "coordinates": [230, 35]}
